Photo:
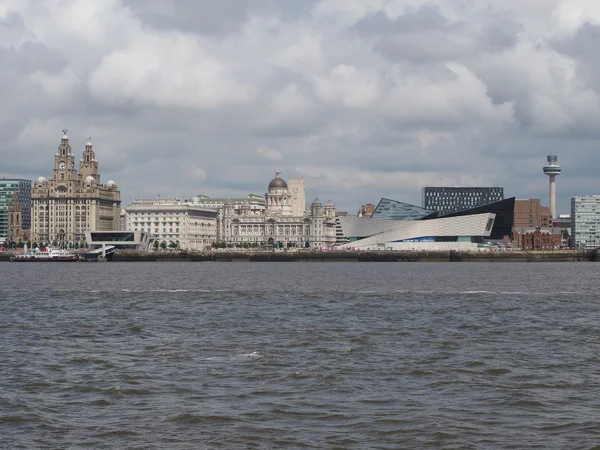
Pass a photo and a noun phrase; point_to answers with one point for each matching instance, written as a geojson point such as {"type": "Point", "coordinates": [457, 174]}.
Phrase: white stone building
{"type": "Point", "coordinates": [253, 204]}
{"type": "Point", "coordinates": [297, 190]}
{"type": "Point", "coordinates": [585, 221]}
{"type": "Point", "coordinates": [68, 204]}
{"type": "Point", "coordinates": [280, 224]}
{"type": "Point", "coordinates": [172, 221]}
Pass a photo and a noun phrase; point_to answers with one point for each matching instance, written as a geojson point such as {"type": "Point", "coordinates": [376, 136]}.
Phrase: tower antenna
{"type": "Point", "coordinates": [552, 169]}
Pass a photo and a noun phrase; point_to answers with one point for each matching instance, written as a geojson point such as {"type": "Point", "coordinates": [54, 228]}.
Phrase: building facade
{"type": "Point", "coordinates": [585, 221]}
{"type": "Point", "coordinates": [279, 226]}
{"type": "Point", "coordinates": [253, 203]}
{"type": "Point", "coordinates": [447, 200]}
{"type": "Point", "coordinates": [16, 231]}
{"type": "Point", "coordinates": [180, 224]}
{"type": "Point", "coordinates": [9, 188]}
{"type": "Point", "coordinates": [366, 210]}
{"type": "Point", "coordinates": [537, 239]}
{"type": "Point", "coordinates": [297, 188]}
{"type": "Point", "coordinates": [70, 203]}
{"type": "Point", "coordinates": [530, 213]}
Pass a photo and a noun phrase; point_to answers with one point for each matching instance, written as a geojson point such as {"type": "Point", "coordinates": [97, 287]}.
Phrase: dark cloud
{"type": "Point", "coordinates": [425, 34]}
{"type": "Point", "coordinates": [582, 47]}
{"type": "Point", "coordinates": [213, 16]}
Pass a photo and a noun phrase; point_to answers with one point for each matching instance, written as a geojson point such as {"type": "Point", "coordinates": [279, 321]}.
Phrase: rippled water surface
{"type": "Point", "coordinates": [299, 355]}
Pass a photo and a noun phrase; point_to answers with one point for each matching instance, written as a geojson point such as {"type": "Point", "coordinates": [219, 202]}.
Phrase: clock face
{"type": "Point", "coordinates": [62, 165]}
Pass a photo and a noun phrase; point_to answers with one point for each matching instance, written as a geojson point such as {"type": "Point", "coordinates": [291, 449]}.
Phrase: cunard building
{"type": "Point", "coordinates": [70, 203]}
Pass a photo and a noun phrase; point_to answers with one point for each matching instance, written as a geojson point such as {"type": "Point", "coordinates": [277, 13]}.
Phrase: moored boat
{"type": "Point", "coordinates": [46, 255]}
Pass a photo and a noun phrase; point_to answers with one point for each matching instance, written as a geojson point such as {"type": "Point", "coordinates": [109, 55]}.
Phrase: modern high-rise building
{"type": "Point", "coordinates": [71, 203]}
{"type": "Point", "coordinates": [447, 200]}
{"type": "Point", "coordinates": [8, 189]}
{"type": "Point", "coordinates": [552, 169]}
{"type": "Point", "coordinates": [585, 221]}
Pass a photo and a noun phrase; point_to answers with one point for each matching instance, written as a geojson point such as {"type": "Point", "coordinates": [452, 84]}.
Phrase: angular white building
{"type": "Point", "coordinates": [448, 233]}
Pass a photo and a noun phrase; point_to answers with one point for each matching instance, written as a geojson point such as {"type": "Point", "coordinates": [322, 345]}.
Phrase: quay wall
{"type": "Point", "coordinates": [354, 256]}
{"type": "Point", "coordinates": [362, 256]}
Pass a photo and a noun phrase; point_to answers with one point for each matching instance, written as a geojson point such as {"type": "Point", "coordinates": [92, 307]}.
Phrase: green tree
{"type": "Point", "coordinates": [155, 245]}
{"type": "Point", "coordinates": [172, 244]}
{"type": "Point", "coordinates": [163, 245]}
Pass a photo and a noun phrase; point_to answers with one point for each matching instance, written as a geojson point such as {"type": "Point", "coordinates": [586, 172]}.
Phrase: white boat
{"type": "Point", "coordinates": [46, 255]}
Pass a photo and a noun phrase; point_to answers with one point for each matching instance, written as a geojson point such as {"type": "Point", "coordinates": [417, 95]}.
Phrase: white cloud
{"type": "Point", "coordinates": [170, 69]}
{"type": "Point", "coordinates": [270, 154]}
{"type": "Point", "coordinates": [346, 85]}
{"type": "Point", "coordinates": [58, 87]}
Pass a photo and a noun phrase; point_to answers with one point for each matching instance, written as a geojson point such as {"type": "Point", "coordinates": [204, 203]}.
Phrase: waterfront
{"type": "Point", "coordinates": [180, 355]}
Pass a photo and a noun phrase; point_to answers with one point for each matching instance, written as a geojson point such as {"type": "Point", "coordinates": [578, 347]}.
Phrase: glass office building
{"type": "Point", "coordinates": [395, 210]}
{"type": "Point", "coordinates": [585, 221]}
{"type": "Point", "coordinates": [8, 187]}
{"type": "Point", "coordinates": [448, 200]}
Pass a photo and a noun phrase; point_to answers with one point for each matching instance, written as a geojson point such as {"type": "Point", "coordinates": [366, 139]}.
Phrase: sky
{"type": "Point", "coordinates": [363, 98]}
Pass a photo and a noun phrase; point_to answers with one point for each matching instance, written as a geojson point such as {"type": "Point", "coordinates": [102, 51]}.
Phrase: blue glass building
{"type": "Point", "coordinates": [23, 189]}
{"type": "Point", "coordinates": [395, 210]}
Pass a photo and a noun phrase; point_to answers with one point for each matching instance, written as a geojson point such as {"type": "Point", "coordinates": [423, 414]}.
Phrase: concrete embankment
{"type": "Point", "coordinates": [364, 256]}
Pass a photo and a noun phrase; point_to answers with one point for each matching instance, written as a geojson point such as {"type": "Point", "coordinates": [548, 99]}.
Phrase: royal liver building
{"type": "Point", "coordinates": [284, 221]}
{"type": "Point", "coordinates": [68, 204]}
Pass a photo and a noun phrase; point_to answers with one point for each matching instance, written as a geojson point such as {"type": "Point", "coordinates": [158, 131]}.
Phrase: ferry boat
{"type": "Point", "coordinates": [46, 255]}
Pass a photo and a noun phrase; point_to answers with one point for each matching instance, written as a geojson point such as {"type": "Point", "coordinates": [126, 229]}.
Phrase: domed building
{"type": "Point", "coordinates": [285, 221]}
{"type": "Point", "coordinates": [70, 203]}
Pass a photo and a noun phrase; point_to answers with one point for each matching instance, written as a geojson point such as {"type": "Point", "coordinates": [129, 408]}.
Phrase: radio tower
{"type": "Point", "coordinates": [552, 169]}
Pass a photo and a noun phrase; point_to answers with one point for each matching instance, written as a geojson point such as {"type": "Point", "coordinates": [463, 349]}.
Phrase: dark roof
{"type": "Point", "coordinates": [278, 183]}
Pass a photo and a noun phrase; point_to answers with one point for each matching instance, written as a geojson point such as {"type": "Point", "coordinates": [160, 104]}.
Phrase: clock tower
{"type": "Point", "coordinates": [88, 165]}
{"type": "Point", "coordinates": [64, 163]}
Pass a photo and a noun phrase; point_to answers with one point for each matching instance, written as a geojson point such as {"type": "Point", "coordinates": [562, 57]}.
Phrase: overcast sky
{"type": "Point", "coordinates": [363, 98]}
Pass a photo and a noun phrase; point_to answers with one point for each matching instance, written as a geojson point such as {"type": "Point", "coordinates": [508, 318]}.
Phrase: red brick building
{"type": "Point", "coordinates": [536, 239]}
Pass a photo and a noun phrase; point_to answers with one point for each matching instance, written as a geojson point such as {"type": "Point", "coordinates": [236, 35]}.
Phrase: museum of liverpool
{"type": "Point", "coordinates": [399, 226]}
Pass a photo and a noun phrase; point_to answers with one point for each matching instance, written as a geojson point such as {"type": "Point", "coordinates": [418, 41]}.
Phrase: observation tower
{"type": "Point", "coordinates": [552, 169]}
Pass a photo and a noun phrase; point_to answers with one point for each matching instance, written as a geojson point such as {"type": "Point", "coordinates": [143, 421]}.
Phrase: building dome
{"type": "Point", "coordinates": [111, 183]}
{"type": "Point", "coordinates": [316, 202]}
{"type": "Point", "coordinates": [89, 179]}
{"type": "Point", "coordinates": [278, 182]}
{"type": "Point", "coordinates": [41, 180]}
{"type": "Point", "coordinates": [329, 203]}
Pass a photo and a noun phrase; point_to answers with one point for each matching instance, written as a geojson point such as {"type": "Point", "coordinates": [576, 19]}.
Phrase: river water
{"type": "Point", "coordinates": [299, 355]}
